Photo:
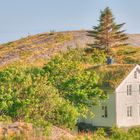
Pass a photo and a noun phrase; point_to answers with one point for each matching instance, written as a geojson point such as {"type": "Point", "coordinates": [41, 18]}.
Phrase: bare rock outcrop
{"type": "Point", "coordinates": [17, 129]}
{"type": "Point", "coordinates": [46, 45]}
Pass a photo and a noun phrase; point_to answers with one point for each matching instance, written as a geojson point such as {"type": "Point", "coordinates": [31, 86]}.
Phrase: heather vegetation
{"type": "Point", "coordinates": [114, 134]}
{"type": "Point", "coordinates": [126, 55]}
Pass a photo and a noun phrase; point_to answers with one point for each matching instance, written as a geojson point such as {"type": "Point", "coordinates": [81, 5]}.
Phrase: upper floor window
{"type": "Point", "coordinates": [104, 112]}
{"type": "Point", "coordinates": [129, 111]}
{"type": "Point", "coordinates": [129, 89]}
{"type": "Point", "coordinates": [139, 110]}
{"type": "Point", "coordinates": [135, 74]}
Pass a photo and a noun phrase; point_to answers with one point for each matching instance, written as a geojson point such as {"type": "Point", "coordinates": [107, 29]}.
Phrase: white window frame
{"type": "Point", "coordinates": [129, 111]}
{"type": "Point", "coordinates": [129, 89]}
{"type": "Point", "coordinates": [139, 109]}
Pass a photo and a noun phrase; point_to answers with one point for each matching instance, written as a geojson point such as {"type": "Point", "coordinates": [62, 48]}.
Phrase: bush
{"type": "Point", "coordinates": [67, 73]}
{"type": "Point", "coordinates": [119, 134]}
{"type": "Point", "coordinates": [27, 95]}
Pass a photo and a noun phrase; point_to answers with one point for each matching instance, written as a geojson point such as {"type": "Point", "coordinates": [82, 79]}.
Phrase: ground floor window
{"type": "Point", "coordinates": [129, 111]}
{"type": "Point", "coordinates": [104, 112]}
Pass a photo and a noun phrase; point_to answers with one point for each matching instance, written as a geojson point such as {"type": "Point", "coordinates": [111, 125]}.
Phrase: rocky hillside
{"type": "Point", "coordinates": [36, 49]}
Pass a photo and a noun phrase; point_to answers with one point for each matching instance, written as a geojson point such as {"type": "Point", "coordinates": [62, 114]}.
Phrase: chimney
{"type": "Point", "coordinates": [110, 60]}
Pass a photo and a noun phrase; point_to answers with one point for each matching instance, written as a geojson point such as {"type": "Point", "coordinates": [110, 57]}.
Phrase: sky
{"type": "Point", "coordinates": [20, 18]}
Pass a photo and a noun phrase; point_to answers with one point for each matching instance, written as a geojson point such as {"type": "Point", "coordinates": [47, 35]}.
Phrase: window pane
{"type": "Point", "coordinates": [135, 74]}
{"type": "Point", "coordinates": [139, 110]}
{"type": "Point", "coordinates": [129, 89]}
{"type": "Point", "coordinates": [104, 112]}
{"type": "Point", "coordinates": [129, 111]}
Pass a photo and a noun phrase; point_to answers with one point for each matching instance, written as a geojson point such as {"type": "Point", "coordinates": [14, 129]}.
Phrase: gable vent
{"type": "Point", "coordinates": [138, 70]}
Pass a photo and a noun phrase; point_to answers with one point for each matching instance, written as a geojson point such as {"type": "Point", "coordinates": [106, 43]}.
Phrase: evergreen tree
{"type": "Point", "coordinates": [107, 34]}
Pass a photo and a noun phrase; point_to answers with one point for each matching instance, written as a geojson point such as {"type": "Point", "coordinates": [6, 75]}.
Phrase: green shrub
{"type": "Point", "coordinates": [27, 95]}
{"type": "Point", "coordinates": [67, 73]}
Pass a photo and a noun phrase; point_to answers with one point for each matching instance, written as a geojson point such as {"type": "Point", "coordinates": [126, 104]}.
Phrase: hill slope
{"type": "Point", "coordinates": [34, 49]}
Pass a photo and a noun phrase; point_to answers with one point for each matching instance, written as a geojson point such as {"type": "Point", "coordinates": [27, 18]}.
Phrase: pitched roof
{"type": "Point", "coordinates": [110, 76]}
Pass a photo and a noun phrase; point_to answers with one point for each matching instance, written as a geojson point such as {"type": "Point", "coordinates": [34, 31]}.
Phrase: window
{"type": "Point", "coordinates": [129, 111]}
{"type": "Point", "coordinates": [104, 112]}
{"type": "Point", "coordinates": [129, 89]}
{"type": "Point", "coordinates": [139, 110]}
{"type": "Point", "coordinates": [135, 74]}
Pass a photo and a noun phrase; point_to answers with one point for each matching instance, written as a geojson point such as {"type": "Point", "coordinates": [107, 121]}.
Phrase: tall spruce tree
{"type": "Point", "coordinates": [107, 34]}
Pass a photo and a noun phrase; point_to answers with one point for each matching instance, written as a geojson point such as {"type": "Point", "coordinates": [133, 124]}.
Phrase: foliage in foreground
{"type": "Point", "coordinates": [26, 95]}
{"type": "Point", "coordinates": [54, 95]}
{"type": "Point", "coordinates": [115, 134]}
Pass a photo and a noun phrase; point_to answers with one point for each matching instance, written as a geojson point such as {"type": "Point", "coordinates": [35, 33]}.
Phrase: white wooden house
{"type": "Point", "coordinates": [122, 108]}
